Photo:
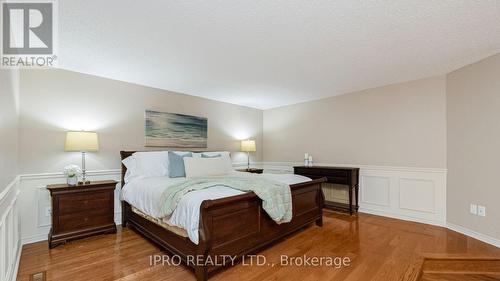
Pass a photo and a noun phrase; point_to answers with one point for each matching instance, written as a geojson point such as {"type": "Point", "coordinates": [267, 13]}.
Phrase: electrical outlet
{"type": "Point", "coordinates": [473, 209]}
{"type": "Point", "coordinates": [481, 211]}
{"type": "Point", "coordinates": [48, 211]}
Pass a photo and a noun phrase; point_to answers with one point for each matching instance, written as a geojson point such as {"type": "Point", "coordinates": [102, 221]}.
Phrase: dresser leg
{"type": "Point", "coordinates": [356, 192]}
{"type": "Point", "coordinates": [350, 199]}
{"type": "Point", "coordinates": [319, 222]}
{"type": "Point", "coordinates": [201, 273]}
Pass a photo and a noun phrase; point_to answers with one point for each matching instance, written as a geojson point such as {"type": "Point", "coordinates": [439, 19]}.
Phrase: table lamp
{"type": "Point", "coordinates": [82, 142]}
{"type": "Point", "coordinates": [248, 146]}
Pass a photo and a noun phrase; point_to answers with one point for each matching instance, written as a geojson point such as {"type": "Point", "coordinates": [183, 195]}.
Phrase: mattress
{"type": "Point", "coordinates": [177, 230]}
{"type": "Point", "coordinates": [144, 195]}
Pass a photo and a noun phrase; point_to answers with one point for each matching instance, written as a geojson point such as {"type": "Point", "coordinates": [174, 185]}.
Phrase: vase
{"type": "Point", "coordinates": [72, 180]}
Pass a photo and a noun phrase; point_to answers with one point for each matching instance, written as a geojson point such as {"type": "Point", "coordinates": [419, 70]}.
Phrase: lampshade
{"type": "Point", "coordinates": [82, 141]}
{"type": "Point", "coordinates": [248, 146]}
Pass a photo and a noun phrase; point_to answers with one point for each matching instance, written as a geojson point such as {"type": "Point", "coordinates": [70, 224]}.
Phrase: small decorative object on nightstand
{"type": "Point", "coordinates": [81, 211]}
{"type": "Point", "coordinates": [251, 170]}
{"type": "Point", "coordinates": [71, 172]}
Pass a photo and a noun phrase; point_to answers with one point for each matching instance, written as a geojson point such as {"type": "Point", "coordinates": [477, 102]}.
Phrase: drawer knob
{"type": "Point", "coordinates": [86, 219]}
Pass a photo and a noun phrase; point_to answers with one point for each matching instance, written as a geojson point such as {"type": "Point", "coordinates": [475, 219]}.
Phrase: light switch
{"type": "Point", "coordinates": [473, 209]}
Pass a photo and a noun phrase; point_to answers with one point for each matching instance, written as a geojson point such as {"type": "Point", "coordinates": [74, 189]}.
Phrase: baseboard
{"type": "Point", "coordinates": [401, 217]}
{"type": "Point", "coordinates": [34, 239]}
{"type": "Point", "coordinates": [476, 235]}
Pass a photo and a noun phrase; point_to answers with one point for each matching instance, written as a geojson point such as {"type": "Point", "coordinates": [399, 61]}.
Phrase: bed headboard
{"type": "Point", "coordinates": [125, 154]}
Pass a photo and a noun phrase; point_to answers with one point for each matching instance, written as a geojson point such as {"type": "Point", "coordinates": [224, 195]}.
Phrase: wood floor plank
{"type": "Point", "coordinates": [459, 277]}
{"type": "Point", "coordinates": [379, 249]}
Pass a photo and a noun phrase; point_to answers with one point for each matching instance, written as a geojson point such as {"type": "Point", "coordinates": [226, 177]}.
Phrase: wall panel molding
{"type": "Point", "coordinates": [414, 194]}
{"type": "Point", "coordinates": [379, 192]}
{"type": "Point", "coordinates": [9, 231]}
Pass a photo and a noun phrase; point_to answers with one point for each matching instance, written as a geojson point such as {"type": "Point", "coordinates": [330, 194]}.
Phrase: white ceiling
{"type": "Point", "coordinates": [264, 53]}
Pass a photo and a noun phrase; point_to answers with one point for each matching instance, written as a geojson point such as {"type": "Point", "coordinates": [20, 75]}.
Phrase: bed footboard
{"type": "Point", "coordinates": [236, 226]}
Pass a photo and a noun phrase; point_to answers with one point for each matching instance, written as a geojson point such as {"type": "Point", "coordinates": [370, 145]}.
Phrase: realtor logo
{"type": "Point", "coordinates": [28, 34]}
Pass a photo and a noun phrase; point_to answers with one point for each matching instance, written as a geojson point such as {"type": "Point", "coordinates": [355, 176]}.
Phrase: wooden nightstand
{"type": "Point", "coordinates": [81, 211]}
{"type": "Point", "coordinates": [252, 170]}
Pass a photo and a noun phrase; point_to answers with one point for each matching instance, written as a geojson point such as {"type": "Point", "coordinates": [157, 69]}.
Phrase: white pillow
{"type": "Point", "coordinates": [200, 167]}
{"type": "Point", "coordinates": [131, 165]}
{"type": "Point", "coordinates": [225, 155]}
{"type": "Point", "coordinates": [151, 163]}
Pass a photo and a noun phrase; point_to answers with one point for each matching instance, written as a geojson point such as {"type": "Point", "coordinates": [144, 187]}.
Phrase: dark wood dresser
{"type": "Point", "coordinates": [81, 211]}
{"type": "Point", "coordinates": [348, 177]}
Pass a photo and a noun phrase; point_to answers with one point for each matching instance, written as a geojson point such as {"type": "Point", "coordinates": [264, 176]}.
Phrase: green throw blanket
{"type": "Point", "coordinates": [276, 197]}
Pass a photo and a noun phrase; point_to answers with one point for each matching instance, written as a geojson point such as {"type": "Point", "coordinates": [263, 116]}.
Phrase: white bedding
{"type": "Point", "coordinates": [145, 194]}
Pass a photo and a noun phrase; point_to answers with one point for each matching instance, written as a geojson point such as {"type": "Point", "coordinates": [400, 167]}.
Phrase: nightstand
{"type": "Point", "coordinates": [81, 211]}
{"type": "Point", "coordinates": [252, 170]}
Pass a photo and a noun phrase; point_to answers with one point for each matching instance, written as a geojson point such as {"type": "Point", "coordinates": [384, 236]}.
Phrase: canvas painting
{"type": "Point", "coordinates": [175, 130]}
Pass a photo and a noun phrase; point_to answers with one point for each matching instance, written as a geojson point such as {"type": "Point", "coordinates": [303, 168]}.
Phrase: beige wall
{"type": "Point", "coordinates": [439, 122]}
{"type": "Point", "coordinates": [54, 101]}
{"type": "Point", "coordinates": [474, 145]}
{"type": "Point", "coordinates": [9, 98]}
{"type": "Point", "coordinates": [395, 125]}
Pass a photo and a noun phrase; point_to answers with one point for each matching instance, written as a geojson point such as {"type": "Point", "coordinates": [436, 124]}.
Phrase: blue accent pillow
{"type": "Point", "coordinates": [203, 155]}
{"type": "Point", "coordinates": [176, 167]}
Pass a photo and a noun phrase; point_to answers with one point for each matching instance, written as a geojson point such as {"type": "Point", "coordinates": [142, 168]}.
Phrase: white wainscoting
{"type": "Point", "coordinates": [405, 193]}
{"type": "Point", "coordinates": [415, 194]}
{"type": "Point", "coordinates": [35, 203]}
{"type": "Point", "coordinates": [9, 232]}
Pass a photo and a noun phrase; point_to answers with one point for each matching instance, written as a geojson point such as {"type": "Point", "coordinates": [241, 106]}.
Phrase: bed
{"type": "Point", "coordinates": [231, 226]}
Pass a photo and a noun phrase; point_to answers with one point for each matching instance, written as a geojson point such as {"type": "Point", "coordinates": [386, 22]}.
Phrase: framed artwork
{"type": "Point", "coordinates": [175, 130]}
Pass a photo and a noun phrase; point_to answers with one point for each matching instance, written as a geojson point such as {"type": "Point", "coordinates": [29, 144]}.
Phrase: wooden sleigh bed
{"type": "Point", "coordinates": [233, 226]}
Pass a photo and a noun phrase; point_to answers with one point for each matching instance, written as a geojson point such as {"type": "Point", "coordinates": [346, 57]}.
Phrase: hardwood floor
{"type": "Point", "coordinates": [379, 249]}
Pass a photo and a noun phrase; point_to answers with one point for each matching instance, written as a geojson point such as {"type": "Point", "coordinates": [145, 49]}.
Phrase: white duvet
{"type": "Point", "coordinates": [145, 194]}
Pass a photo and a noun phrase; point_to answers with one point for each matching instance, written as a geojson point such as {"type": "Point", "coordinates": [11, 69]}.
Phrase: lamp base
{"type": "Point", "coordinates": [83, 182]}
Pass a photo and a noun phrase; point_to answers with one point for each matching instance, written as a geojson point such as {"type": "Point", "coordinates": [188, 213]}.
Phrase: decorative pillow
{"type": "Point", "coordinates": [151, 163]}
{"type": "Point", "coordinates": [176, 164]}
{"type": "Point", "coordinates": [203, 155]}
{"type": "Point", "coordinates": [202, 167]}
{"type": "Point", "coordinates": [225, 155]}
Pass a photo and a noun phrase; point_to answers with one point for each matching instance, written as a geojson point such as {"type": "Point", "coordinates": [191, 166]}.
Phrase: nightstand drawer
{"type": "Point", "coordinates": [82, 220]}
{"type": "Point", "coordinates": [81, 202]}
